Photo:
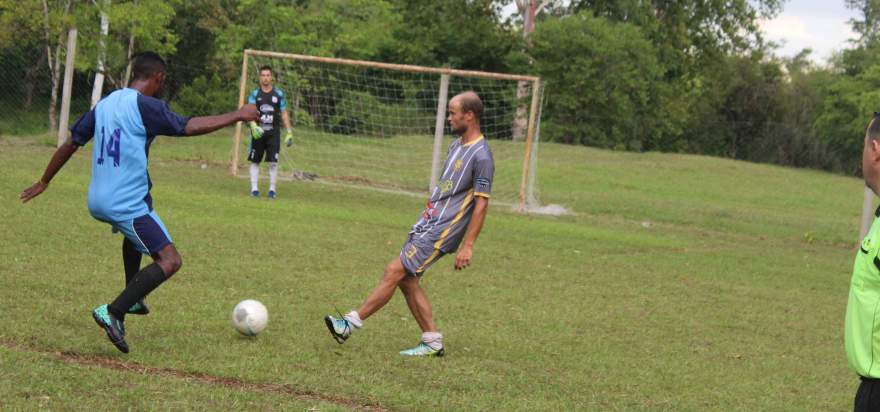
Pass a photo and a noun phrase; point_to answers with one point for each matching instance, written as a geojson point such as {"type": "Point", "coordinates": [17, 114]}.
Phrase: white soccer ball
{"type": "Point", "coordinates": [250, 317]}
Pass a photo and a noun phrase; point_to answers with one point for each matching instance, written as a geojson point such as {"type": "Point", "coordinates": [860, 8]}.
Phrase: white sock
{"type": "Point", "coordinates": [273, 175]}
{"type": "Point", "coordinates": [355, 319]}
{"type": "Point", "coordinates": [255, 176]}
{"type": "Point", "coordinates": [433, 339]}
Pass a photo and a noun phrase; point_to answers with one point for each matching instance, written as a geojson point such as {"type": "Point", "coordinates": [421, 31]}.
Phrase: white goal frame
{"type": "Point", "coordinates": [527, 179]}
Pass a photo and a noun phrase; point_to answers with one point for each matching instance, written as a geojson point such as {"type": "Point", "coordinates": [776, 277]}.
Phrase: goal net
{"type": "Point", "coordinates": [384, 125]}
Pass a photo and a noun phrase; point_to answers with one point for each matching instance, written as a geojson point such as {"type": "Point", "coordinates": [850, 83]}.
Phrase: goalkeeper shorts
{"type": "Point", "coordinates": [417, 255]}
{"type": "Point", "coordinates": [267, 146]}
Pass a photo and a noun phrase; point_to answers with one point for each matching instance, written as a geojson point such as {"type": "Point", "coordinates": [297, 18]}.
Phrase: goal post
{"type": "Point", "coordinates": [384, 125]}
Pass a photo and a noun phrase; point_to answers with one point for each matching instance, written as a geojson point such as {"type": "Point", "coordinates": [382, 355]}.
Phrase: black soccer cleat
{"type": "Point", "coordinates": [113, 327]}
{"type": "Point", "coordinates": [139, 308]}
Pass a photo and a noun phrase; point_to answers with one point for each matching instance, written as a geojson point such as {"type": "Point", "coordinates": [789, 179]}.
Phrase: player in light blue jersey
{"type": "Point", "coordinates": [123, 125]}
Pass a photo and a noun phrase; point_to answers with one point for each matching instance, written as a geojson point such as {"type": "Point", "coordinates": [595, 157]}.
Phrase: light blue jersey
{"type": "Point", "coordinates": [123, 125]}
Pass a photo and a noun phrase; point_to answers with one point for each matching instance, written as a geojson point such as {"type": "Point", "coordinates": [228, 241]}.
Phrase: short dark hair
{"type": "Point", "coordinates": [874, 127]}
{"type": "Point", "coordinates": [146, 64]}
{"type": "Point", "coordinates": [470, 102]}
{"type": "Point", "coordinates": [267, 67]}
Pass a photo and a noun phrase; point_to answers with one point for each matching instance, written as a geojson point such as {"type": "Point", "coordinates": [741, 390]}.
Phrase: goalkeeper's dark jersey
{"type": "Point", "coordinates": [467, 173]}
{"type": "Point", "coordinates": [270, 105]}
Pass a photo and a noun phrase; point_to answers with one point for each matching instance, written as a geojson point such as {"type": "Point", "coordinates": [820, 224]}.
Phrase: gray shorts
{"type": "Point", "coordinates": [417, 255]}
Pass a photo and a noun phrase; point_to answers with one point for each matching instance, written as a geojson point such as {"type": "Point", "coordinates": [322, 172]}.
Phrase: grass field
{"type": "Point", "coordinates": [680, 283]}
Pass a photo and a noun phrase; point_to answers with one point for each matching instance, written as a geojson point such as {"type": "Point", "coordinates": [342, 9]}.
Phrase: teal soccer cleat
{"type": "Point", "coordinates": [114, 327]}
{"type": "Point", "coordinates": [340, 329]}
{"type": "Point", "coordinates": [139, 308]}
{"type": "Point", "coordinates": [422, 349]}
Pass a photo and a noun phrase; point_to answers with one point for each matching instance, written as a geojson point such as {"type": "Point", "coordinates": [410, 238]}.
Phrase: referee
{"type": "Point", "coordinates": [862, 336]}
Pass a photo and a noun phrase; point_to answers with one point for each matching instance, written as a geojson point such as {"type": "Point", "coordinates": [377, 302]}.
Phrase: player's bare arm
{"type": "Point", "coordinates": [208, 124]}
{"type": "Point", "coordinates": [62, 154]}
{"type": "Point", "coordinates": [463, 258]}
{"type": "Point", "coordinates": [285, 117]}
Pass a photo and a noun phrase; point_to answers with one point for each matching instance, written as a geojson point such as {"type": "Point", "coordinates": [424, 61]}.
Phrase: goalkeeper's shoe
{"type": "Point", "coordinates": [271, 194]}
{"type": "Point", "coordinates": [139, 308]}
{"type": "Point", "coordinates": [340, 329]}
{"type": "Point", "coordinates": [422, 349]}
{"type": "Point", "coordinates": [256, 131]}
{"type": "Point", "coordinates": [255, 193]}
{"type": "Point", "coordinates": [113, 327]}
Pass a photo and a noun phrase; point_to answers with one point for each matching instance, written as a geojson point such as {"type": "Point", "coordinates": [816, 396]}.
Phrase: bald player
{"type": "Point", "coordinates": [450, 222]}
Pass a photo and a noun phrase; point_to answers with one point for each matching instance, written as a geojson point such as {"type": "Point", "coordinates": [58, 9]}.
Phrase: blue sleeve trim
{"type": "Point", "coordinates": [283, 102]}
{"type": "Point", "coordinates": [84, 129]}
{"type": "Point", "coordinates": [252, 98]}
{"type": "Point", "coordinates": [159, 119]}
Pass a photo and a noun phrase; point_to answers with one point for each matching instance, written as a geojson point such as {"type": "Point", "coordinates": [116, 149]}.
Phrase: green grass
{"type": "Point", "coordinates": [679, 283]}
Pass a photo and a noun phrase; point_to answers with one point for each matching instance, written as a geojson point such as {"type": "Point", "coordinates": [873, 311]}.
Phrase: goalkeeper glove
{"type": "Point", "coordinates": [288, 138]}
{"type": "Point", "coordinates": [256, 131]}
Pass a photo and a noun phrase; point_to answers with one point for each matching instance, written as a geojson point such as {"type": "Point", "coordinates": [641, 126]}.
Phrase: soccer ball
{"type": "Point", "coordinates": [250, 317]}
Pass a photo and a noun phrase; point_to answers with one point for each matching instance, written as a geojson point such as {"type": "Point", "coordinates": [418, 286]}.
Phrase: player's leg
{"type": "Point", "coordinates": [131, 260]}
{"type": "Point", "coordinates": [341, 329]}
{"type": "Point", "coordinates": [273, 147]}
{"type": "Point", "coordinates": [148, 234]}
{"type": "Point", "coordinates": [418, 303]}
{"type": "Point", "coordinates": [383, 292]}
{"type": "Point", "coordinates": [255, 156]}
{"type": "Point", "coordinates": [431, 343]}
{"type": "Point", "coordinates": [154, 239]}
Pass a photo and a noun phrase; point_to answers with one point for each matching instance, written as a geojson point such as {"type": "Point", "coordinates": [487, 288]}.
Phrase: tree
{"type": "Point", "coordinates": [136, 25]}
{"type": "Point", "coordinates": [690, 32]}
{"type": "Point", "coordinates": [53, 23]}
{"type": "Point", "coordinates": [605, 79]}
{"type": "Point", "coordinates": [529, 10]}
{"type": "Point", "coordinates": [868, 24]}
{"type": "Point", "coordinates": [35, 35]}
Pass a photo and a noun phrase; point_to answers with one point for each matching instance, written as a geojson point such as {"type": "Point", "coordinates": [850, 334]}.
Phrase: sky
{"type": "Point", "coordinates": [821, 25]}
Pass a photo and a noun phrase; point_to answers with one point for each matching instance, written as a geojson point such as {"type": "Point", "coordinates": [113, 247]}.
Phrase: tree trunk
{"type": "Point", "coordinates": [123, 82]}
{"type": "Point", "coordinates": [102, 52]}
{"type": "Point", "coordinates": [56, 79]}
{"type": "Point", "coordinates": [529, 10]}
{"type": "Point", "coordinates": [54, 62]}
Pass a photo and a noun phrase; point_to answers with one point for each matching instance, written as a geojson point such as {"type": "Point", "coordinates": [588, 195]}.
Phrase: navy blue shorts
{"type": "Point", "coordinates": [147, 233]}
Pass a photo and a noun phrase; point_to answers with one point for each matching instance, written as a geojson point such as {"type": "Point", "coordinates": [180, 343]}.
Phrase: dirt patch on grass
{"type": "Point", "coordinates": [75, 358]}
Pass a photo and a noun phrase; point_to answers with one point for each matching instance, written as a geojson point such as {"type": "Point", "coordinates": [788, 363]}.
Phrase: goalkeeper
{"type": "Point", "coordinates": [265, 136]}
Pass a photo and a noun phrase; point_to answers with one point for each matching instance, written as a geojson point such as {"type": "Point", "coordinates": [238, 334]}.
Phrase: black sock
{"type": "Point", "coordinates": [144, 282]}
{"type": "Point", "coordinates": [131, 259]}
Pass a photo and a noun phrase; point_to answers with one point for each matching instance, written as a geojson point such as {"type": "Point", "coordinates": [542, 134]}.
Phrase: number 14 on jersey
{"type": "Point", "coordinates": [112, 147]}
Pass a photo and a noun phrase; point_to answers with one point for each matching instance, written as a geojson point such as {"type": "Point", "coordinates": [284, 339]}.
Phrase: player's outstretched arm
{"type": "Point", "coordinates": [62, 154]}
{"type": "Point", "coordinates": [466, 251]}
{"type": "Point", "coordinates": [207, 124]}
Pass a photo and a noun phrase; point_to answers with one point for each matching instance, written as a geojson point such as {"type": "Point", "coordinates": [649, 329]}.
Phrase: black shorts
{"type": "Point", "coordinates": [868, 395]}
{"type": "Point", "coordinates": [269, 144]}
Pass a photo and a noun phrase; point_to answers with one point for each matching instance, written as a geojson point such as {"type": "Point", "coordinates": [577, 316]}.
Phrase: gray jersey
{"type": "Point", "coordinates": [467, 173]}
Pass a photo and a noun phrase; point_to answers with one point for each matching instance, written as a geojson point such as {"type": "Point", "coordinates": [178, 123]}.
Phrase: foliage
{"type": "Point", "coordinates": [684, 76]}
{"type": "Point", "coordinates": [205, 97]}
{"type": "Point", "coordinates": [602, 78]}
